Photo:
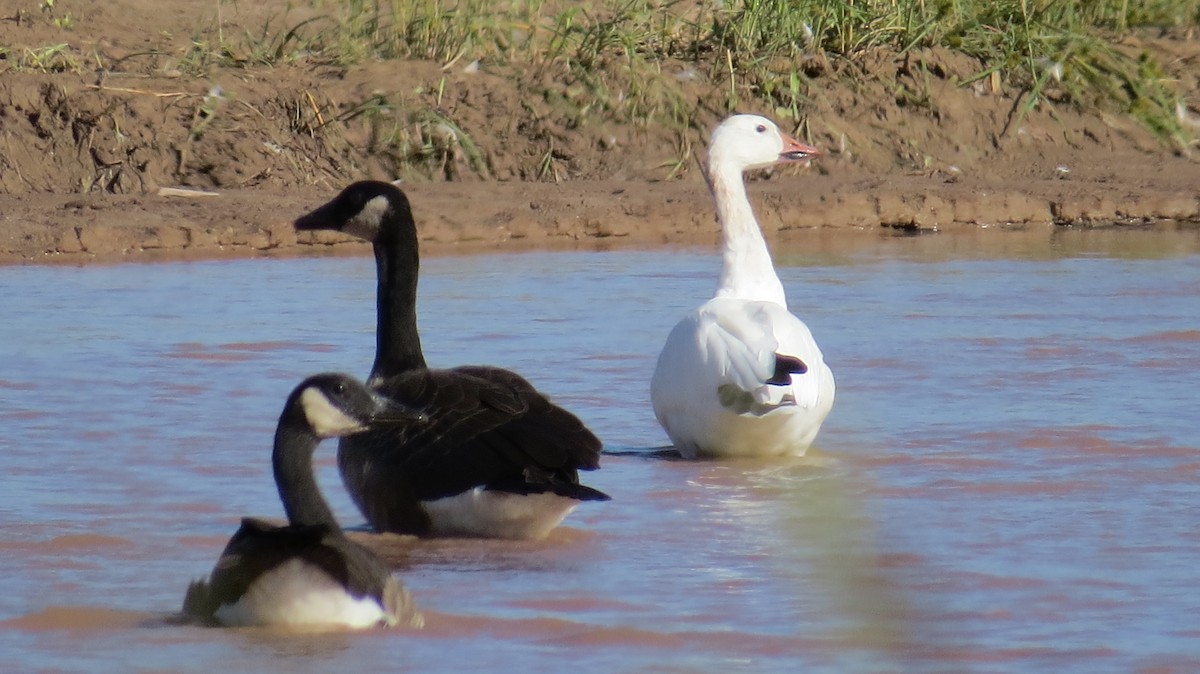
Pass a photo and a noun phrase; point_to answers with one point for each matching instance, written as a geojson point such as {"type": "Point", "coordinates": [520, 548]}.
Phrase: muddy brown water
{"type": "Point", "coordinates": [1008, 481]}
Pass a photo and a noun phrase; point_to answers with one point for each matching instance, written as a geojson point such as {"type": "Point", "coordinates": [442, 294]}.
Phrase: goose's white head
{"type": "Point", "coordinates": [752, 142]}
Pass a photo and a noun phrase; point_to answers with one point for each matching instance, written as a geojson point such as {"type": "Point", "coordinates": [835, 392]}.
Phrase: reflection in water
{"type": "Point", "coordinates": [1007, 482]}
{"type": "Point", "coordinates": [76, 618]}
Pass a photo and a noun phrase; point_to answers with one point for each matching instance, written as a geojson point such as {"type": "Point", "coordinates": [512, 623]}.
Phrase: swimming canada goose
{"type": "Point", "coordinates": [307, 573]}
{"type": "Point", "coordinates": [741, 376]}
{"type": "Point", "coordinates": [495, 458]}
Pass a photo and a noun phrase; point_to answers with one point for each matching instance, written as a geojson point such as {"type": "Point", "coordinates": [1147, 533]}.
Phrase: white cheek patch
{"type": "Point", "coordinates": [324, 417]}
{"type": "Point", "coordinates": [366, 224]}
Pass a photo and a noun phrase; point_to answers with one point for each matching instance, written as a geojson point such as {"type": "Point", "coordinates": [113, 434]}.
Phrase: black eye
{"type": "Point", "coordinates": [760, 128]}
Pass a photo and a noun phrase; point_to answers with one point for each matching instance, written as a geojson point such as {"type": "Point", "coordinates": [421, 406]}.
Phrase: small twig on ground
{"type": "Point", "coordinates": [123, 90]}
{"type": "Point", "coordinates": [316, 110]}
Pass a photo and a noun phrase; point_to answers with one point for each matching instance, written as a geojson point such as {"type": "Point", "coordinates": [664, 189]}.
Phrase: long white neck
{"type": "Point", "coordinates": [746, 270]}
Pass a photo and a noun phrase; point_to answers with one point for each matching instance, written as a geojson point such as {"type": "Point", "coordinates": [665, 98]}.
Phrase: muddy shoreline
{"type": "Point", "coordinates": [475, 217]}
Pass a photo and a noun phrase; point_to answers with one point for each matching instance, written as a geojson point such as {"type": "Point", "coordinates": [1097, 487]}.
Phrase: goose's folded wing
{"type": "Point", "coordinates": [256, 548]}
{"type": "Point", "coordinates": [484, 427]}
{"type": "Point", "coordinates": [738, 340]}
{"type": "Point", "coordinates": [544, 432]}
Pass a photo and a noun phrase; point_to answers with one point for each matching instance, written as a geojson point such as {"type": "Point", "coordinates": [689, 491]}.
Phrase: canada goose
{"type": "Point", "coordinates": [741, 376]}
{"type": "Point", "coordinates": [307, 573]}
{"type": "Point", "coordinates": [495, 458]}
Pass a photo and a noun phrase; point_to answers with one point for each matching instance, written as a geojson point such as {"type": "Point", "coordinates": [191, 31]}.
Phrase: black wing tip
{"type": "Point", "coordinates": [587, 493]}
{"type": "Point", "coordinates": [579, 492]}
{"type": "Point", "coordinates": [785, 367]}
{"type": "Point", "coordinates": [571, 490]}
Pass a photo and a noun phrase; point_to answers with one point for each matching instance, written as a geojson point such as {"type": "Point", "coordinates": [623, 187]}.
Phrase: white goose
{"type": "Point", "coordinates": [741, 376]}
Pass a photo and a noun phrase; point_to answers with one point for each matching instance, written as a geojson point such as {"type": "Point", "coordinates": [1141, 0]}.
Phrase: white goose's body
{"type": "Point", "coordinates": [741, 376]}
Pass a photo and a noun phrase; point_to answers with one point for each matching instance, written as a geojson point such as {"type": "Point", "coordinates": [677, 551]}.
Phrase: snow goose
{"type": "Point", "coordinates": [741, 376]}
{"type": "Point", "coordinates": [495, 459]}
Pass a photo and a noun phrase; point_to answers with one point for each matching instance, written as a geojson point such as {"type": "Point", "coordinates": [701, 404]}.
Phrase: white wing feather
{"type": "Point", "coordinates": [739, 342]}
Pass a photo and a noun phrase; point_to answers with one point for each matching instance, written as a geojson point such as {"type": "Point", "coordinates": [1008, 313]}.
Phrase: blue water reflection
{"type": "Point", "coordinates": [1008, 481]}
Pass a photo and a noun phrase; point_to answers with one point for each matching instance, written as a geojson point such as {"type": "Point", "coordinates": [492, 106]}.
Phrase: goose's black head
{"type": "Point", "coordinates": [334, 405]}
{"type": "Point", "coordinates": [369, 209]}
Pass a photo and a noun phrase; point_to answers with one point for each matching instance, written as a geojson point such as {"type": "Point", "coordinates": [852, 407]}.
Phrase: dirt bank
{"type": "Point", "coordinates": [91, 152]}
{"type": "Point", "coordinates": [484, 216]}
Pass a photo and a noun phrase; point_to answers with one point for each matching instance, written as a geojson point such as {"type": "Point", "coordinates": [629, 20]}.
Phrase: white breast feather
{"type": "Point", "coordinates": [298, 595]}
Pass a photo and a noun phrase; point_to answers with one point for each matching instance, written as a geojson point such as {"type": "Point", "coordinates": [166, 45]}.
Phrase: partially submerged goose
{"type": "Point", "coordinates": [741, 376]}
{"type": "Point", "coordinates": [495, 458]}
{"type": "Point", "coordinates": [307, 574]}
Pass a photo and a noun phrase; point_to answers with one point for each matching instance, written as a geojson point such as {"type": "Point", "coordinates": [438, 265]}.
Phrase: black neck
{"type": "Point", "coordinates": [292, 459]}
{"type": "Point", "coordinates": [397, 344]}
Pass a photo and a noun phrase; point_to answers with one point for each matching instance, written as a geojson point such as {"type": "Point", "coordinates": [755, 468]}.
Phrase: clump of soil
{"type": "Point", "coordinates": [87, 148]}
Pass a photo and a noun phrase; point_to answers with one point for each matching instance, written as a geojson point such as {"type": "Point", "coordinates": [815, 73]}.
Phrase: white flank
{"type": "Point", "coordinates": [324, 417]}
{"type": "Point", "coordinates": [297, 595]}
{"type": "Point", "coordinates": [493, 514]}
